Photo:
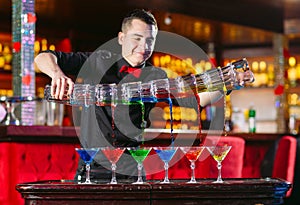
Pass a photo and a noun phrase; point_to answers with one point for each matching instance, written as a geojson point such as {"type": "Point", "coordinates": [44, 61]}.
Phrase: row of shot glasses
{"type": "Point", "coordinates": [225, 78]}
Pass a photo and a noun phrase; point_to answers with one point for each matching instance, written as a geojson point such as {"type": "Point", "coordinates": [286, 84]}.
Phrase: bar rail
{"type": "Point", "coordinates": [233, 191]}
{"type": "Point", "coordinates": [15, 133]}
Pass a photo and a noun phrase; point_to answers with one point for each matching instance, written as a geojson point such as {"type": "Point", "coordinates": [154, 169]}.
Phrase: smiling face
{"type": "Point", "coordinates": [137, 40]}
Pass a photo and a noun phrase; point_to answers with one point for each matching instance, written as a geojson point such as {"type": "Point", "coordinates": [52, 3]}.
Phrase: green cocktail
{"type": "Point", "coordinates": [139, 154]}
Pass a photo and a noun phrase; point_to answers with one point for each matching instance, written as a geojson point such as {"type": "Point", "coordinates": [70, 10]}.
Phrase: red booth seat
{"type": "Point", "coordinates": [253, 158]}
{"type": "Point", "coordinates": [28, 162]}
{"type": "Point", "coordinates": [285, 160]}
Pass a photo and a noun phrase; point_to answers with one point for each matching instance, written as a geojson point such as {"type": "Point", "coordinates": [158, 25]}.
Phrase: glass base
{"type": "Point", "coordinates": [139, 183]}
{"type": "Point", "coordinates": [86, 182]}
{"type": "Point", "coordinates": [192, 182]}
{"type": "Point", "coordinates": [219, 182]}
{"type": "Point", "coordinates": [112, 182]}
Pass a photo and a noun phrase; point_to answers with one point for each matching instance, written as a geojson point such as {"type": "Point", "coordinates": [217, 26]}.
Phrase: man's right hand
{"type": "Point", "coordinates": [61, 85]}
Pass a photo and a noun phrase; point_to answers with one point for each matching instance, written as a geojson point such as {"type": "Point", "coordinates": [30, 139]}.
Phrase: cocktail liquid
{"type": "Point", "coordinates": [139, 154]}
{"type": "Point", "coordinates": [113, 154]}
{"type": "Point", "coordinates": [87, 155]}
{"type": "Point", "coordinates": [165, 155]}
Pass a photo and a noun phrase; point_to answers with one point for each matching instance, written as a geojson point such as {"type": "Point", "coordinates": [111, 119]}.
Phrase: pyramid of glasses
{"type": "Point", "coordinates": [223, 79]}
{"type": "Point", "coordinates": [192, 153]}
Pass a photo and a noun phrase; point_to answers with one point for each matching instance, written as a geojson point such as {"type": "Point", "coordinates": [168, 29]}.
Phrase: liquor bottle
{"type": "Point", "coordinates": [252, 119]}
{"type": "Point", "coordinates": [293, 124]}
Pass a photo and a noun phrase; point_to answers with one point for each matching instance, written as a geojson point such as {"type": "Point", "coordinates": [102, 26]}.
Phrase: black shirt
{"type": "Point", "coordinates": [104, 67]}
{"type": "Point", "coordinates": [96, 122]}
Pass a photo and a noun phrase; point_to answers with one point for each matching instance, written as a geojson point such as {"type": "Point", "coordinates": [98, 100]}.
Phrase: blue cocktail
{"type": "Point", "coordinates": [87, 155]}
{"type": "Point", "coordinates": [166, 154]}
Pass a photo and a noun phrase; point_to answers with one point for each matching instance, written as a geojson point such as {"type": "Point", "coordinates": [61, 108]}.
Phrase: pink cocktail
{"type": "Point", "coordinates": [113, 155]}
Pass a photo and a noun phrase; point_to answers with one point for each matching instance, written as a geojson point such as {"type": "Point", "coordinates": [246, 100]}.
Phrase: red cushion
{"type": "Point", "coordinates": [285, 160]}
{"type": "Point", "coordinates": [5, 175]}
{"type": "Point", "coordinates": [255, 153]}
{"type": "Point", "coordinates": [28, 162]}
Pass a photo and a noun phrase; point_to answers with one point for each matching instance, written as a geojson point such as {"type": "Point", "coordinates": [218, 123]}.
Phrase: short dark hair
{"type": "Point", "coordinates": [141, 14]}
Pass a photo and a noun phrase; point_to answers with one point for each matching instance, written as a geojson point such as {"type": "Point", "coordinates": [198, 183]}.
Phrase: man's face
{"type": "Point", "coordinates": [137, 42]}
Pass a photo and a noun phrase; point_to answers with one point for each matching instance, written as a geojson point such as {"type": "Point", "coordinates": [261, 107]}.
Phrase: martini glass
{"type": "Point", "coordinates": [192, 154]}
{"type": "Point", "coordinates": [113, 155]}
{"type": "Point", "coordinates": [87, 155]}
{"type": "Point", "coordinates": [165, 154]}
{"type": "Point", "coordinates": [139, 154]}
{"type": "Point", "coordinates": [219, 153]}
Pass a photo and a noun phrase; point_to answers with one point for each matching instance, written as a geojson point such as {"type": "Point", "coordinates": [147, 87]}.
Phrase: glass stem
{"type": "Point", "coordinates": [219, 166]}
{"type": "Point", "coordinates": [113, 169]}
{"type": "Point", "coordinates": [140, 167]}
{"type": "Point", "coordinates": [193, 180]}
{"type": "Point", "coordinates": [87, 177]}
{"type": "Point", "coordinates": [166, 166]}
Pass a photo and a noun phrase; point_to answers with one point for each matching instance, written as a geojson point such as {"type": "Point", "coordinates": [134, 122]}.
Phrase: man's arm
{"type": "Point", "coordinates": [47, 63]}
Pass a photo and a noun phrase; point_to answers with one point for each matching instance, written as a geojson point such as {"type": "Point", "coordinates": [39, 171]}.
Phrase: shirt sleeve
{"type": "Point", "coordinates": [190, 102]}
{"type": "Point", "coordinates": [70, 63]}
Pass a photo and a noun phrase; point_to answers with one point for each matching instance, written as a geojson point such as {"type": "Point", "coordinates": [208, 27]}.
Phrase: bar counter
{"type": "Point", "coordinates": [70, 134]}
{"type": "Point", "coordinates": [13, 133]}
{"type": "Point", "coordinates": [37, 153]}
{"type": "Point", "coordinates": [233, 191]}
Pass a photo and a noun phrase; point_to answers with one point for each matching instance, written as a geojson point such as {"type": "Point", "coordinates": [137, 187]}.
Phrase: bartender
{"type": "Point", "coordinates": [137, 39]}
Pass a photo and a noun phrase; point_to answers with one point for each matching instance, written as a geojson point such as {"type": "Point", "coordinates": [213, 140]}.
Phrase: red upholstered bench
{"type": "Point", "coordinates": [285, 160]}
{"type": "Point", "coordinates": [28, 162]}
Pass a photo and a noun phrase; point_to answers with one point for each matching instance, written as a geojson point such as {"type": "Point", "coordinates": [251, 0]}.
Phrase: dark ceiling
{"type": "Point", "coordinates": [91, 22]}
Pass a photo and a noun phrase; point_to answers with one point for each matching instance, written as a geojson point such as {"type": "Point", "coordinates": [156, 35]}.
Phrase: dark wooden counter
{"type": "Point", "coordinates": [70, 134]}
{"type": "Point", "coordinates": [13, 133]}
{"type": "Point", "coordinates": [234, 191]}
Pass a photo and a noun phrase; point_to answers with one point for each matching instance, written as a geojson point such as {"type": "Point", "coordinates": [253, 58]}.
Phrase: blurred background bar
{"type": "Point", "coordinates": [267, 33]}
